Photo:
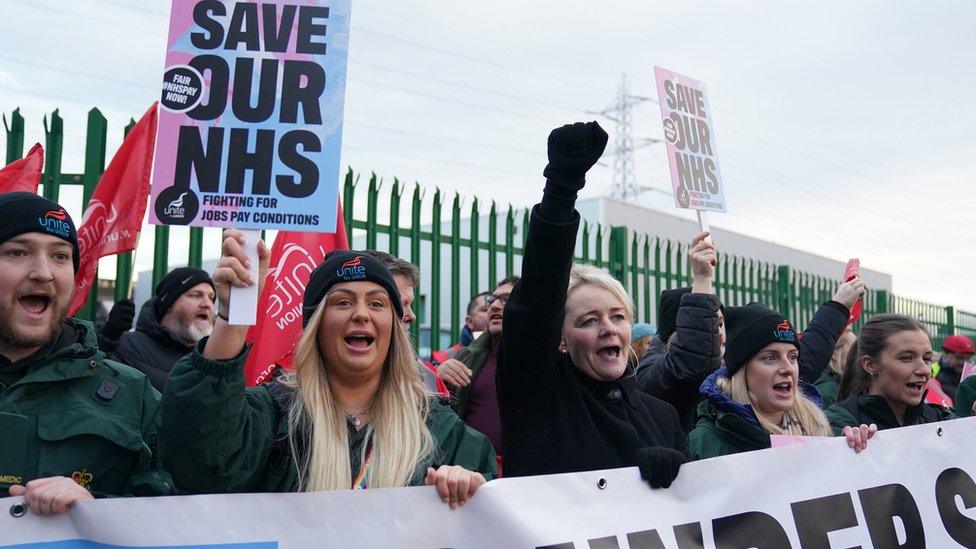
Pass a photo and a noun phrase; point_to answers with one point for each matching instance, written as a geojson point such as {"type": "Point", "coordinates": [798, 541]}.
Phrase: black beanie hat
{"type": "Point", "coordinates": [667, 312]}
{"type": "Point", "coordinates": [347, 266]}
{"type": "Point", "coordinates": [175, 284]}
{"type": "Point", "coordinates": [749, 329]}
{"type": "Point", "coordinates": [24, 212]}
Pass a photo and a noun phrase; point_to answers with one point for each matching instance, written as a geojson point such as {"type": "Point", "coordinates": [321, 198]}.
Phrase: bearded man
{"type": "Point", "coordinates": [180, 313]}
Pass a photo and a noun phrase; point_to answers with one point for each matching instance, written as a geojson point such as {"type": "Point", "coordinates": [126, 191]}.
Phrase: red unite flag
{"type": "Point", "coordinates": [293, 258]}
{"type": "Point", "coordinates": [113, 218]}
{"type": "Point", "coordinates": [23, 174]}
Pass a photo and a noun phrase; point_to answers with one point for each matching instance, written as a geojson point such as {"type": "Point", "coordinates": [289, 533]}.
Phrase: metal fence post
{"type": "Point", "coordinates": [435, 273]}
{"type": "Point", "coordinates": [415, 205]}
{"type": "Point", "coordinates": [950, 313]}
{"type": "Point", "coordinates": [493, 246]}
{"type": "Point", "coordinates": [395, 194]}
{"type": "Point", "coordinates": [97, 132]}
{"type": "Point", "coordinates": [784, 301]}
{"type": "Point", "coordinates": [160, 254]}
{"type": "Point", "coordinates": [881, 302]}
{"type": "Point", "coordinates": [53, 145]}
{"type": "Point", "coordinates": [123, 262]}
{"type": "Point", "coordinates": [618, 254]}
{"type": "Point", "coordinates": [15, 136]}
{"type": "Point", "coordinates": [455, 266]}
{"type": "Point", "coordinates": [475, 247]}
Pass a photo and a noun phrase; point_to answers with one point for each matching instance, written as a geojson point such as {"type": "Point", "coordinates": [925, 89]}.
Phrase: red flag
{"type": "Point", "coordinates": [23, 174]}
{"type": "Point", "coordinates": [293, 258]}
{"type": "Point", "coordinates": [113, 218]}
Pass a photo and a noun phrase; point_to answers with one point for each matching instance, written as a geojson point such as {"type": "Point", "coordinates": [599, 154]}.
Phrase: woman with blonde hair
{"type": "Point", "coordinates": [567, 395]}
{"type": "Point", "coordinates": [758, 392]}
{"type": "Point", "coordinates": [353, 414]}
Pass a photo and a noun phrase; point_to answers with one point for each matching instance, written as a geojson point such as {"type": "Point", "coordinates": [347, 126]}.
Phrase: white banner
{"type": "Point", "coordinates": [912, 487]}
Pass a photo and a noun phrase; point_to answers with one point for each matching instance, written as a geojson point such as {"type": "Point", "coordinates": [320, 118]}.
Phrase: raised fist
{"type": "Point", "coordinates": [574, 149]}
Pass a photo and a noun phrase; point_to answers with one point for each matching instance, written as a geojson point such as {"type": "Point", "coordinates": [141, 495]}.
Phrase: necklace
{"type": "Point", "coordinates": [354, 417]}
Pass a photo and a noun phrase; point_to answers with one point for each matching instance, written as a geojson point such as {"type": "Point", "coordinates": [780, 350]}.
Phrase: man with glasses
{"type": "Point", "coordinates": [470, 375]}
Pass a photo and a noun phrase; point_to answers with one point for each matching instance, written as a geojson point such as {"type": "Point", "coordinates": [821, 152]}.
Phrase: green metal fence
{"type": "Point", "coordinates": [464, 249]}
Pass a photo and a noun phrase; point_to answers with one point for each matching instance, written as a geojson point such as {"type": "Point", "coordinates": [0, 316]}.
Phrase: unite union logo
{"type": "Point", "coordinates": [784, 332]}
{"type": "Point", "coordinates": [175, 208]}
{"type": "Point", "coordinates": [54, 223]}
{"type": "Point", "coordinates": [352, 269]}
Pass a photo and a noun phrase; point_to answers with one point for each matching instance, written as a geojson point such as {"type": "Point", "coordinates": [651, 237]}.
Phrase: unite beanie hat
{"type": "Point", "coordinates": [667, 313]}
{"type": "Point", "coordinates": [24, 212]}
{"type": "Point", "coordinates": [175, 284]}
{"type": "Point", "coordinates": [749, 329]}
{"type": "Point", "coordinates": [347, 266]}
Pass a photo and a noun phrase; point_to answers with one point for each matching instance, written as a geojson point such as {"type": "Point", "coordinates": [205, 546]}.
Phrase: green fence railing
{"type": "Point", "coordinates": [463, 249]}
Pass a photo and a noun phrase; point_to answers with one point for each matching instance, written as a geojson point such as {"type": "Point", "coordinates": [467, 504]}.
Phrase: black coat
{"type": "Point", "coordinates": [151, 349]}
{"type": "Point", "coordinates": [818, 340]}
{"type": "Point", "coordinates": [674, 374]}
{"type": "Point", "coordinates": [555, 419]}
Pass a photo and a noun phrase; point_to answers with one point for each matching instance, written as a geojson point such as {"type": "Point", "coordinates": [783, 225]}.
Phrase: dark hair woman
{"type": "Point", "coordinates": [886, 376]}
{"type": "Point", "coordinates": [567, 396]}
{"type": "Point", "coordinates": [354, 414]}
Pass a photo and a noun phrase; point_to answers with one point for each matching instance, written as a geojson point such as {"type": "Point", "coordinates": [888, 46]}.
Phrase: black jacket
{"type": "Point", "coordinates": [555, 419]}
{"type": "Point", "coordinates": [674, 374]}
{"type": "Point", "coordinates": [818, 340]}
{"type": "Point", "coordinates": [868, 409]}
{"type": "Point", "coordinates": [151, 349]}
{"type": "Point", "coordinates": [949, 378]}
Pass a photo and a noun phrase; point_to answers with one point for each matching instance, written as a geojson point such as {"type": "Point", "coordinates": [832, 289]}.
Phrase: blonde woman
{"type": "Point", "coordinates": [568, 398]}
{"type": "Point", "coordinates": [354, 414]}
{"type": "Point", "coordinates": [758, 392]}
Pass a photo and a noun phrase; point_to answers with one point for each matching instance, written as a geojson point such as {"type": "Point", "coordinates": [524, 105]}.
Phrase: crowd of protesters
{"type": "Point", "coordinates": [550, 373]}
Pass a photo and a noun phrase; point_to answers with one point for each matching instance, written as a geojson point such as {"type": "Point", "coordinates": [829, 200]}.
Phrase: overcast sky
{"type": "Point", "coordinates": [843, 128]}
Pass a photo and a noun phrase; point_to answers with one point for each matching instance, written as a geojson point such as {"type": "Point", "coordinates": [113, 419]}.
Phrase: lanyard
{"type": "Point", "coordinates": [360, 481]}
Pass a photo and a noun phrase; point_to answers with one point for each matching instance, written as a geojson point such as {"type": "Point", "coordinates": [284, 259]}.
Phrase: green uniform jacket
{"type": "Point", "coordinates": [827, 385]}
{"type": "Point", "coordinates": [868, 409]}
{"type": "Point", "coordinates": [965, 397]}
{"type": "Point", "coordinates": [216, 436]}
{"type": "Point", "coordinates": [720, 433]}
{"type": "Point", "coordinates": [77, 414]}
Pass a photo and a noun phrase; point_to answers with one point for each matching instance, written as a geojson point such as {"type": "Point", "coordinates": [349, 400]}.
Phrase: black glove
{"type": "Point", "coordinates": [659, 465]}
{"type": "Point", "coordinates": [119, 319]}
{"type": "Point", "coordinates": [574, 149]}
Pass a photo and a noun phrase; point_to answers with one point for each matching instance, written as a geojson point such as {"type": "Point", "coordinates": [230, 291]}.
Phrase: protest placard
{"type": "Point", "coordinates": [689, 136]}
{"type": "Point", "coordinates": [251, 123]}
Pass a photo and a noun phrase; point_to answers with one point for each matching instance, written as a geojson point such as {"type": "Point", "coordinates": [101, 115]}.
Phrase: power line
{"type": "Point", "coordinates": [488, 62]}
{"type": "Point", "coordinates": [35, 93]}
{"type": "Point", "coordinates": [467, 86]}
{"type": "Point", "coordinates": [434, 160]}
{"type": "Point", "coordinates": [137, 8]}
{"type": "Point", "coordinates": [812, 158]}
{"type": "Point", "coordinates": [78, 15]}
{"type": "Point", "coordinates": [446, 139]}
{"type": "Point", "coordinates": [450, 100]}
{"type": "Point", "coordinates": [82, 74]}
